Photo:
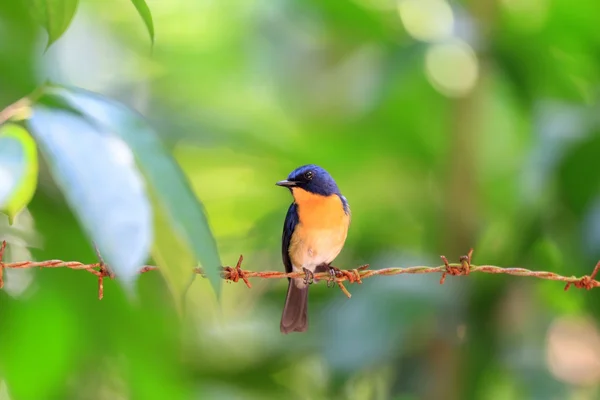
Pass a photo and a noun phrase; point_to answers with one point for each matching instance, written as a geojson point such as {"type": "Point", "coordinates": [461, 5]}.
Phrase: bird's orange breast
{"type": "Point", "coordinates": [319, 212]}
{"type": "Point", "coordinates": [321, 231]}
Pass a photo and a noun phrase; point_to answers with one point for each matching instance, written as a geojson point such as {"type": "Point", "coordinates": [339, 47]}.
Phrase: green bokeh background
{"type": "Point", "coordinates": [243, 92]}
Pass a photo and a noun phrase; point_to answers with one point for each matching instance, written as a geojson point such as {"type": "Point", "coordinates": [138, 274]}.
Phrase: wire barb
{"type": "Point", "coordinates": [103, 272]}
{"type": "Point", "coordinates": [237, 273]}
{"type": "Point", "coordinates": [587, 281]}
{"type": "Point", "coordinates": [464, 268]}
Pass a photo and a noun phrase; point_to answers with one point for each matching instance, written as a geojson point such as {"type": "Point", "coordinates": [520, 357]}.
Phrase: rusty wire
{"type": "Point", "coordinates": [356, 275]}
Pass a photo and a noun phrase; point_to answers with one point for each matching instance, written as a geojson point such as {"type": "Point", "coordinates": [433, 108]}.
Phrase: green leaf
{"type": "Point", "coordinates": [97, 174]}
{"type": "Point", "coordinates": [18, 169]}
{"type": "Point", "coordinates": [144, 11]}
{"type": "Point", "coordinates": [17, 56]}
{"type": "Point", "coordinates": [185, 211]}
{"type": "Point", "coordinates": [54, 15]}
{"type": "Point", "coordinates": [172, 254]}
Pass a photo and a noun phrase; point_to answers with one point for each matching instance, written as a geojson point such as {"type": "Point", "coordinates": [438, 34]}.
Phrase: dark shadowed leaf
{"type": "Point", "coordinates": [144, 11]}
{"type": "Point", "coordinates": [184, 210]}
{"type": "Point", "coordinates": [591, 230]}
{"type": "Point", "coordinates": [17, 60]}
{"type": "Point", "coordinates": [578, 187]}
{"type": "Point", "coordinates": [96, 171]}
{"type": "Point", "coordinates": [54, 15]}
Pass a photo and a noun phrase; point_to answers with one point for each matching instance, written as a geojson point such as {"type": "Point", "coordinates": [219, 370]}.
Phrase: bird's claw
{"type": "Point", "coordinates": [333, 273]}
{"type": "Point", "coordinates": [308, 277]}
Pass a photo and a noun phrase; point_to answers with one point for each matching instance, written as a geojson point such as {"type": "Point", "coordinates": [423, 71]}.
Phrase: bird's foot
{"type": "Point", "coordinates": [333, 273]}
{"type": "Point", "coordinates": [309, 277]}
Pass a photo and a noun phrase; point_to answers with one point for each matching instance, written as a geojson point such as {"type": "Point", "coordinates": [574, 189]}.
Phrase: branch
{"type": "Point", "coordinates": [235, 274]}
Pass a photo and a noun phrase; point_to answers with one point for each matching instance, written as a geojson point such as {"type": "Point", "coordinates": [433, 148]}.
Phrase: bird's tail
{"type": "Point", "coordinates": [294, 318]}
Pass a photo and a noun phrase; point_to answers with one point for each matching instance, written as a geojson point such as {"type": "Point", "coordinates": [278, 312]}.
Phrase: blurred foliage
{"type": "Point", "coordinates": [20, 169]}
{"type": "Point", "coordinates": [17, 59]}
{"type": "Point", "coordinates": [447, 125]}
{"type": "Point", "coordinates": [54, 15]}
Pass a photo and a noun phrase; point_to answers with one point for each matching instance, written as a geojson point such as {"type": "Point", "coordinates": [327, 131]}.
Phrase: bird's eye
{"type": "Point", "coordinates": [309, 175]}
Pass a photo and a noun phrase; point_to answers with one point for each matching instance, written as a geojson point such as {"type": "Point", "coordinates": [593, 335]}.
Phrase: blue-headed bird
{"type": "Point", "coordinates": [314, 233]}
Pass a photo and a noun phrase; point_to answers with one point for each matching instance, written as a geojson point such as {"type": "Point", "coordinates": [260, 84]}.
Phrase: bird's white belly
{"type": "Point", "coordinates": [318, 247]}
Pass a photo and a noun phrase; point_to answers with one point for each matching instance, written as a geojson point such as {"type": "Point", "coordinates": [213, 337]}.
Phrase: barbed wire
{"type": "Point", "coordinates": [332, 277]}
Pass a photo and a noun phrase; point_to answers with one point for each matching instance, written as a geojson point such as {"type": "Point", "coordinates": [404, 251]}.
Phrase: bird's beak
{"type": "Point", "coordinates": [286, 183]}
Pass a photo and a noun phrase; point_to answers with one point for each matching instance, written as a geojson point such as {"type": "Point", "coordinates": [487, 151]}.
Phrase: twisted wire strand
{"type": "Point", "coordinates": [335, 276]}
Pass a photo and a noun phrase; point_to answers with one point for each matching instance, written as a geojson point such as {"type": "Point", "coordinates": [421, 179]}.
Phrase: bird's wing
{"type": "Point", "coordinates": [346, 206]}
{"type": "Point", "coordinates": [291, 220]}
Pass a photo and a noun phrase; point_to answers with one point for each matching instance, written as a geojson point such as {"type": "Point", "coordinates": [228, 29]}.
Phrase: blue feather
{"type": "Point", "coordinates": [345, 205]}
{"type": "Point", "coordinates": [291, 220]}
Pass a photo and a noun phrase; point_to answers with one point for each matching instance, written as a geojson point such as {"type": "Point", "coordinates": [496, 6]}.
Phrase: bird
{"type": "Point", "coordinates": [314, 233]}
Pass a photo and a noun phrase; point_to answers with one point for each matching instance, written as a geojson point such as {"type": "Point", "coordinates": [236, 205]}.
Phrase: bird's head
{"type": "Point", "coordinates": [312, 179]}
